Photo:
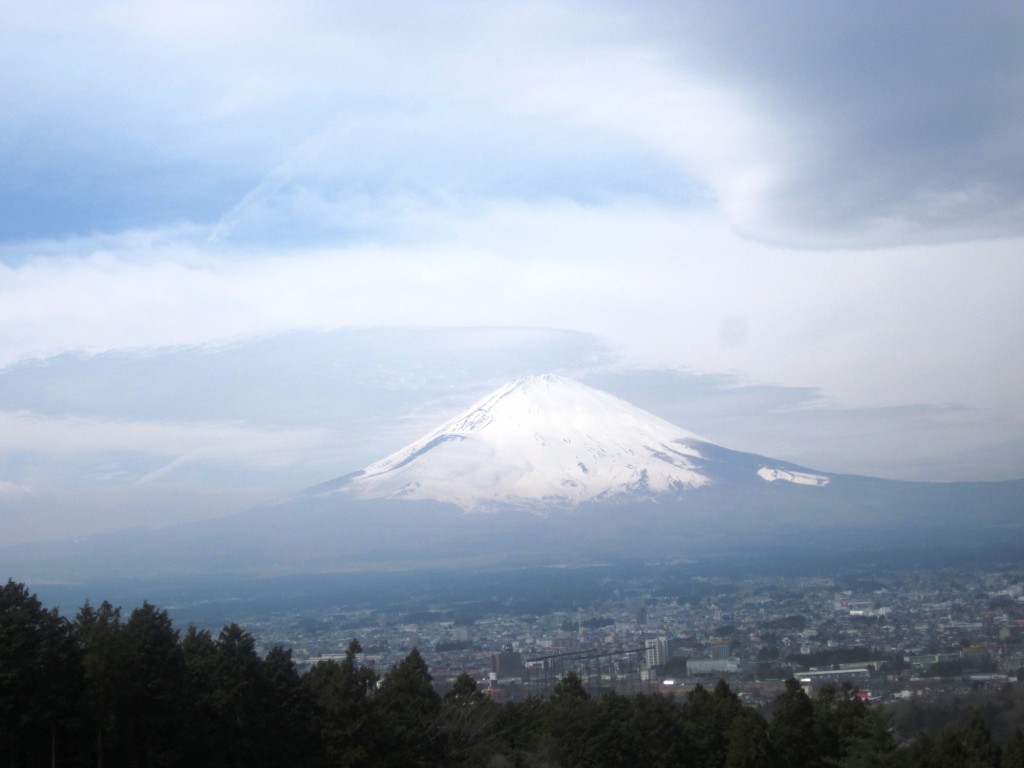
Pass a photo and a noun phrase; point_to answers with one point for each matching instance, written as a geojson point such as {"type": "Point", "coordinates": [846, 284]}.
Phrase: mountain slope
{"type": "Point", "coordinates": [546, 442]}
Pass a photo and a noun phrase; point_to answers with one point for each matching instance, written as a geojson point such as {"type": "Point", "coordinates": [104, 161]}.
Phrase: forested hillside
{"type": "Point", "coordinates": [103, 689]}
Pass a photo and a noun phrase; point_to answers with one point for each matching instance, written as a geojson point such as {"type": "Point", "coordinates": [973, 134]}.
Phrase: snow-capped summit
{"type": "Point", "coordinates": [539, 440]}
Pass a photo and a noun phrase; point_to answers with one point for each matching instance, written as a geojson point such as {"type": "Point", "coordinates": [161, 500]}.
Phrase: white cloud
{"type": "Point", "coordinates": [809, 124]}
{"type": "Point", "coordinates": [932, 324]}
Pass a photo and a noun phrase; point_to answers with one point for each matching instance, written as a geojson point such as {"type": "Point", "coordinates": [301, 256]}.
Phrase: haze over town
{"type": "Point", "coordinates": [248, 248]}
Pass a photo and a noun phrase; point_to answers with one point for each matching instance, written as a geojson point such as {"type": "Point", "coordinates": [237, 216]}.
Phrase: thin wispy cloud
{"type": "Point", "coordinates": [169, 444]}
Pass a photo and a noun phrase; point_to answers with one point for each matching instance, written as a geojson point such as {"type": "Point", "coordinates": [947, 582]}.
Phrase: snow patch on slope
{"type": "Point", "coordinates": [538, 440]}
{"type": "Point", "coordinates": [789, 476]}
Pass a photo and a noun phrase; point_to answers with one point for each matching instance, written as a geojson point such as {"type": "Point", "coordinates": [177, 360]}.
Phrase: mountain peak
{"type": "Point", "coordinates": [539, 441]}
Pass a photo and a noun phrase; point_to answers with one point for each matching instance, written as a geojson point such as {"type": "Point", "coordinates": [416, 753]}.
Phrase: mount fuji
{"type": "Point", "coordinates": [547, 471]}
{"type": "Point", "coordinates": [546, 443]}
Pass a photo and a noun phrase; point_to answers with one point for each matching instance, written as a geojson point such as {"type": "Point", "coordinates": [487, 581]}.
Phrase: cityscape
{"type": "Point", "coordinates": [896, 635]}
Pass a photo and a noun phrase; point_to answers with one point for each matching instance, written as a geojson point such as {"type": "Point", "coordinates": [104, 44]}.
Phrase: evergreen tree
{"type": "Point", "coordinates": [1013, 751]}
{"type": "Point", "coordinates": [792, 729]}
{"type": "Point", "coordinates": [950, 751]}
{"type": "Point", "coordinates": [241, 692]}
{"type": "Point", "coordinates": [569, 690]}
{"type": "Point", "coordinates": [517, 736]}
{"type": "Point", "coordinates": [707, 718]}
{"type": "Point", "coordinates": [152, 697]}
{"type": "Point", "coordinates": [288, 737]}
{"type": "Point", "coordinates": [977, 742]}
{"type": "Point", "coordinates": [408, 708]}
{"type": "Point", "coordinates": [660, 728]}
{"type": "Point", "coordinates": [201, 742]}
{"type": "Point", "coordinates": [920, 753]}
{"type": "Point", "coordinates": [848, 731]}
{"type": "Point", "coordinates": [464, 692]}
{"type": "Point", "coordinates": [571, 722]}
{"type": "Point", "coordinates": [614, 741]}
{"type": "Point", "coordinates": [40, 676]}
{"type": "Point", "coordinates": [749, 746]}
{"type": "Point", "coordinates": [99, 635]}
{"type": "Point", "coordinates": [343, 710]}
{"type": "Point", "coordinates": [467, 729]}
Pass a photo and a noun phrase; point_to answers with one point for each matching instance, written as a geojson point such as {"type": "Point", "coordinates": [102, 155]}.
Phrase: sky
{"type": "Point", "coordinates": [248, 247]}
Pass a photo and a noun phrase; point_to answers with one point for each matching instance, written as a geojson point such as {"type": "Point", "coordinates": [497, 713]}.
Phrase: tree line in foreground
{"type": "Point", "coordinates": [108, 690]}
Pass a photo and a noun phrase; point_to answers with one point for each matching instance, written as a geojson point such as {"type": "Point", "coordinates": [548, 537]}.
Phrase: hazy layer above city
{"type": "Point", "coordinates": [248, 250]}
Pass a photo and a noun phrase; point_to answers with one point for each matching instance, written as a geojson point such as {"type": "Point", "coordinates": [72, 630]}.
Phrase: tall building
{"type": "Point", "coordinates": [720, 648]}
{"type": "Point", "coordinates": [655, 652]}
{"type": "Point", "coordinates": [507, 664]}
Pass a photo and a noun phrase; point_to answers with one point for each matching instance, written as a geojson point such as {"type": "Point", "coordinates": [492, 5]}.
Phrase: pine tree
{"type": "Point", "coordinates": [154, 675]}
{"type": "Point", "coordinates": [241, 691]}
{"type": "Point", "coordinates": [1013, 751]}
{"type": "Point", "coordinates": [792, 729]}
{"type": "Point", "coordinates": [408, 708]}
{"type": "Point", "coordinates": [749, 746]}
{"type": "Point", "coordinates": [659, 724]}
{"type": "Point", "coordinates": [201, 741]}
{"type": "Point", "coordinates": [344, 715]}
{"type": "Point", "coordinates": [707, 718]}
{"type": "Point", "coordinates": [288, 739]}
{"type": "Point", "coordinates": [467, 726]}
{"type": "Point", "coordinates": [571, 721]}
{"type": "Point", "coordinates": [977, 741]}
{"type": "Point", "coordinates": [40, 676]}
{"type": "Point", "coordinates": [99, 634]}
